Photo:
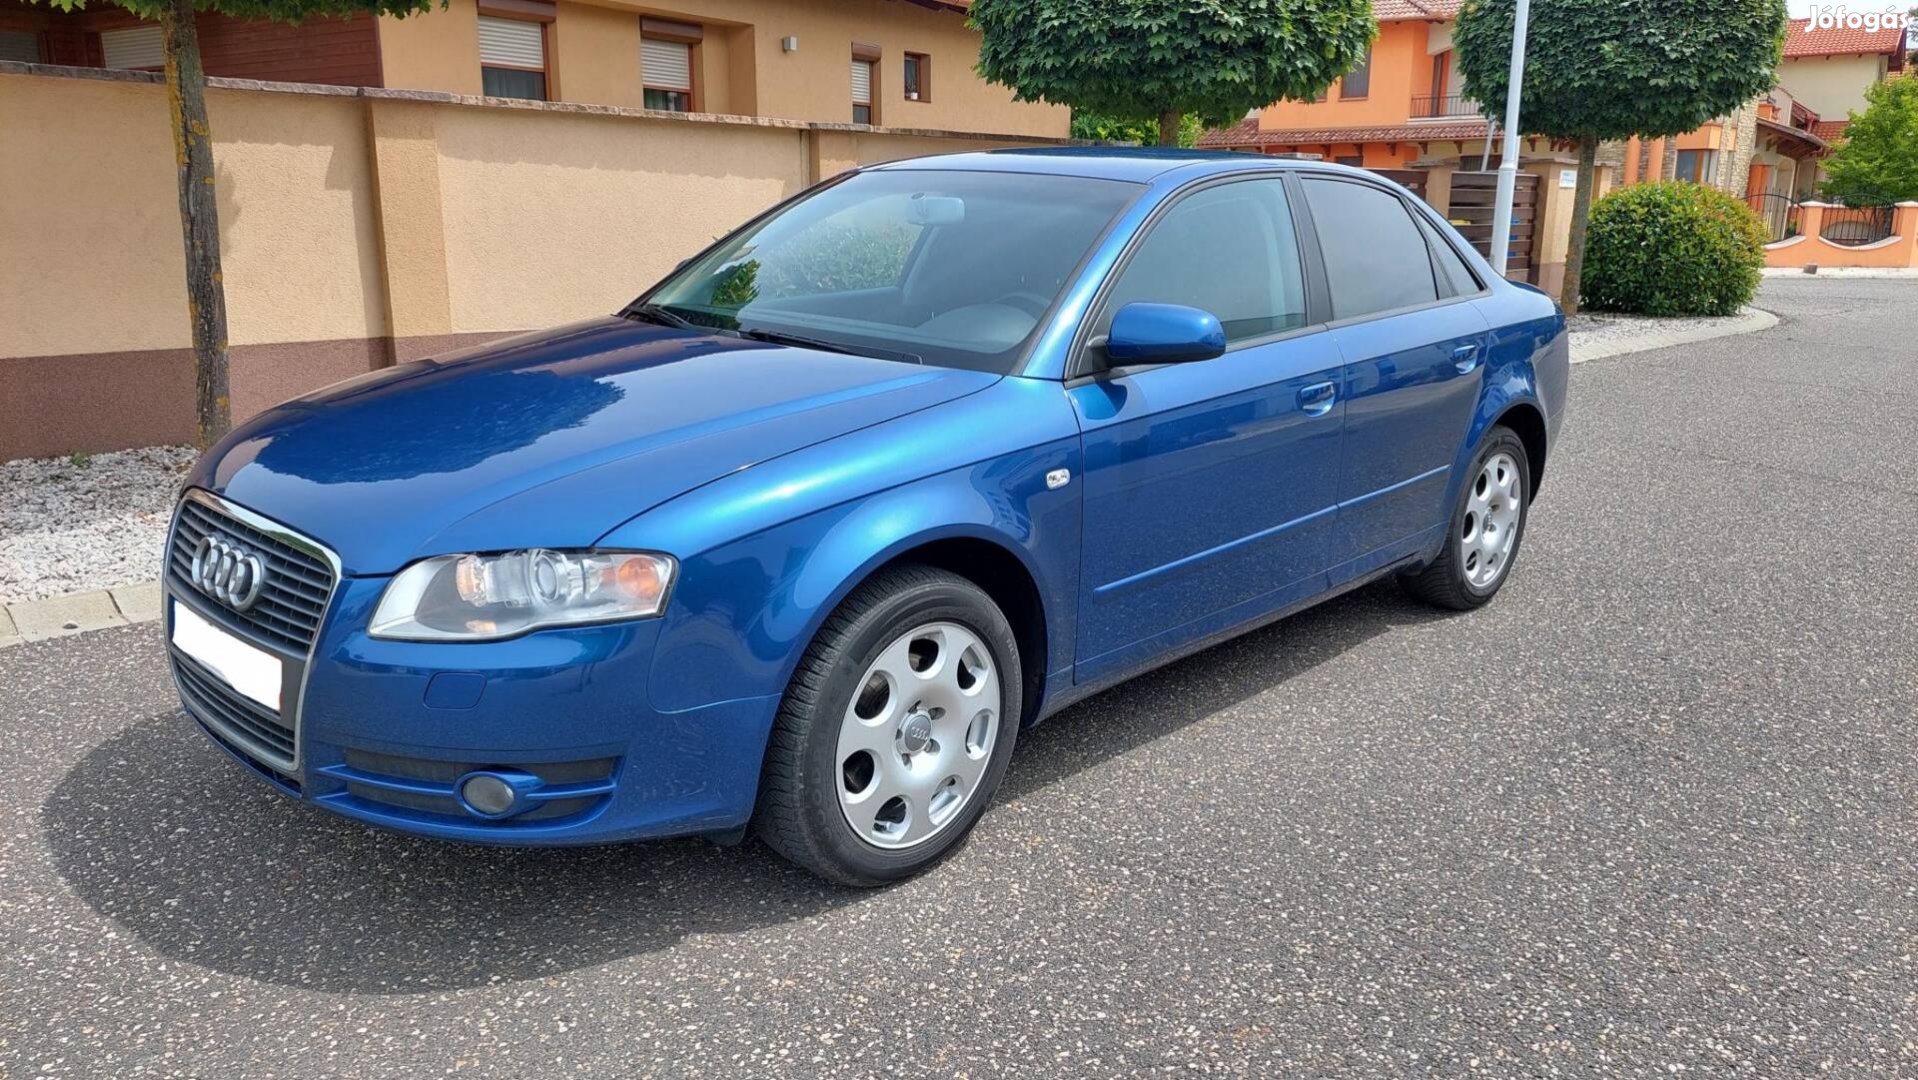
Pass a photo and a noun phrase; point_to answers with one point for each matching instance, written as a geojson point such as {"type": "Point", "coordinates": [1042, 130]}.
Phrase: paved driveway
{"type": "Point", "coordinates": [1651, 812]}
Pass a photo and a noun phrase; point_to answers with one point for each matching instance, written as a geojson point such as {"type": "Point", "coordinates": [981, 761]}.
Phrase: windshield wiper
{"type": "Point", "coordinates": [655, 313]}
{"type": "Point", "coordinates": [778, 338]}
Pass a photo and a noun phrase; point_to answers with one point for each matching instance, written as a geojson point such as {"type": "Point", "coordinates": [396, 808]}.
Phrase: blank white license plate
{"type": "Point", "coordinates": [244, 667]}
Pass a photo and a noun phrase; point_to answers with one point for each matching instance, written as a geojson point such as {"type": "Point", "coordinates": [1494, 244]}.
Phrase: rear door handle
{"type": "Point", "coordinates": [1318, 399]}
{"type": "Point", "coordinates": [1465, 358]}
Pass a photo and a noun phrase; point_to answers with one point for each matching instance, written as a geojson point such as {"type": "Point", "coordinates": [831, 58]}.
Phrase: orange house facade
{"type": "Point", "coordinates": [1403, 112]}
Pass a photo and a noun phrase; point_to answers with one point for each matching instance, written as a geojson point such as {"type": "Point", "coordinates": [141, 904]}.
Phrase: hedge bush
{"type": "Point", "coordinates": [1674, 248]}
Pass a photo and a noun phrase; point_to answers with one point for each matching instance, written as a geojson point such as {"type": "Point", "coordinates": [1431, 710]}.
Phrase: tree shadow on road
{"type": "Point", "coordinates": [161, 833]}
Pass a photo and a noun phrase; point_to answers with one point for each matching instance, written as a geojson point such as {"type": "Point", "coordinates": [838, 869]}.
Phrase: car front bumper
{"type": "Point", "coordinates": [384, 731]}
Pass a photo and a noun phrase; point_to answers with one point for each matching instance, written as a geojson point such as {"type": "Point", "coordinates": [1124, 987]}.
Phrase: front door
{"type": "Point", "coordinates": [1209, 487]}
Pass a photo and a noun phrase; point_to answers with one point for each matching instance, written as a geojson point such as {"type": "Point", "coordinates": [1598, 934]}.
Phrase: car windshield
{"type": "Point", "coordinates": [941, 267]}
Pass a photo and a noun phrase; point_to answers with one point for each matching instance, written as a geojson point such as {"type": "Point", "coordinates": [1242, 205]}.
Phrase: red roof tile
{"type": "Point", "coordinates": [1802, 40]}
{"type": "Point", "coordinates": [1246, 133]}
{"type": "Point", "coordinates": [1416, 10]}
{"type": "Point", "coordinates": [1830, 130]}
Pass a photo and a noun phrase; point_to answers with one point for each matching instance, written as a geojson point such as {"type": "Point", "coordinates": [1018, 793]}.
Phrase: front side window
{"type": "Point", "coordinates": [512, 58]}
{"type": "Point", "coordinates": [1375, 258]}
{"type": "Point", "coordinates": [956, 269]}
{"type": "Point", "coordinates": [1229, 250]}
{"type": "Point", "coordinates": [1357, 82]}
{"type": "Point", "coordinates": [862, 81]}
{"type": "Point", "coordinates": [666, 69]}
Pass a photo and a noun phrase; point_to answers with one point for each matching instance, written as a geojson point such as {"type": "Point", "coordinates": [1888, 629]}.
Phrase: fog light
{"type": "Point", "coordinates": [495, 794]}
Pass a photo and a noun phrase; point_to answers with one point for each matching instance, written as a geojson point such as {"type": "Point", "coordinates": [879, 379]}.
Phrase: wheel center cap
{"type": "Point", "coordinates": [915, 733]}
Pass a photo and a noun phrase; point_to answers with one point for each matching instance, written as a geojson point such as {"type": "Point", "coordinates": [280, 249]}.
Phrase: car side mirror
{"type": "Point", "coordinates": [1144, 333]}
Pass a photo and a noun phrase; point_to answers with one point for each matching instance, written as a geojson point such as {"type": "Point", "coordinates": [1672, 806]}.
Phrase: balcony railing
{"type": "Point", "coordinates": [1429, 107]}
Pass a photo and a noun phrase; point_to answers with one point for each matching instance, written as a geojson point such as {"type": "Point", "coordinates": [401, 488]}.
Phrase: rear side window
{"type": "Point", "coordinates": [1229, 250]}
{"type": "Point", "coordinates": [1455, 278]}
{"type": "Point", "coordinates": [1375, 257]}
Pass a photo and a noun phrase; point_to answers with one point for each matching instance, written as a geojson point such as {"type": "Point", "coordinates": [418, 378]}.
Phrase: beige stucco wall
{"type": "Point", "coordinates": [597, 52]}
{"type": "Point", "coordinates": [88, 170]}
{"type": "Point", "coordinates": [1831, 86]}
{"type": "Point", "coordinates": [357, 227]}
{"type": "Point", "coordinates": [550, 218]}
{"type": "Point", "coordinates": [742, 66]}
{"type": "Point", "coordinates": [434, 50]}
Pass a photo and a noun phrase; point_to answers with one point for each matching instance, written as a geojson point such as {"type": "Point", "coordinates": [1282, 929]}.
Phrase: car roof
{"type": "Point", "coordinates": [1136, 164]}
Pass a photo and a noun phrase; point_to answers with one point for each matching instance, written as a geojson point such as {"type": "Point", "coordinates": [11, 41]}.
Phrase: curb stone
{"type": "Point", "coordinates": [125, 605]}
{"type": "Point", "coordinates": [76, 613]}
{"type": "Point", "coordinates": [1748, 320]}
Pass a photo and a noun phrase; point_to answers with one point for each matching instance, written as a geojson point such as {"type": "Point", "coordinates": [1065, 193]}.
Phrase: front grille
{"type": "Point", "coordinates": [288, 610]}
{"type": "Point", "coordinates": [252, 727]}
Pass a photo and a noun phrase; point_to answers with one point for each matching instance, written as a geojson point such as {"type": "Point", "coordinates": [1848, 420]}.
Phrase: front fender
{"type": "Point", "coordinates": [743, 612]}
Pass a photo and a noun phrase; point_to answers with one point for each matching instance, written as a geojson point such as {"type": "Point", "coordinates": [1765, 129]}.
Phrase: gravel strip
{"type": "Point", "coordinates": [76, 524]}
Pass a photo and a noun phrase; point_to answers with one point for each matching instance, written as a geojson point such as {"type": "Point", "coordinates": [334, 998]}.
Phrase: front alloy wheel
{"type": "Point", "coordinates": [895, 730]}
{"type": "Point", "coordinates": [917, 737]}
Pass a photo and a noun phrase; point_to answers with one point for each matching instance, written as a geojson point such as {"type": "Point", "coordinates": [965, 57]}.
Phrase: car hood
{"type": "Point", "coordinates": [549, 439]}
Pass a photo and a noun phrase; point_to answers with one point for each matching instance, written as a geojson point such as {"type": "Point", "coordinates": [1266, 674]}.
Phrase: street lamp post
{"type": "Point", "coordinates": [1508, 160]}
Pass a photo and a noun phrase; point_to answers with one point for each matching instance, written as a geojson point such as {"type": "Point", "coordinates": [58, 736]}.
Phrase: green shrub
{"type": "Point", "coordinates": [1676, 248]}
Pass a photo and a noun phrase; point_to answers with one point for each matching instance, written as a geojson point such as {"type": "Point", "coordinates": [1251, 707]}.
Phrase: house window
{"type": "Point", "coordinates": [1357, 82]}
{"type": "Point", "coordinates": [133, 47]}
{"type": "Point", "coordinates": [918, 77]}
{"type": "Point", "coordinates": [1440, 65]}
{"type": "Point", "coordinates": [1698, 166]}
{"type": "Point", "coordinates": [862, 80]}
{"type": "Point", "coordinates": [21, 46]}
{"type": "Point", "coordinates": [666, 67]}
{"type": "Point", "coordinates": [512, 58]}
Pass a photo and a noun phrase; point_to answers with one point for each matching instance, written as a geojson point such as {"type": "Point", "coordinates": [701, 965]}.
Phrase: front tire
{"type": "Point", "coordinates": [1487, 524]}
{"type": "Point", "coordinates": [895, 731]}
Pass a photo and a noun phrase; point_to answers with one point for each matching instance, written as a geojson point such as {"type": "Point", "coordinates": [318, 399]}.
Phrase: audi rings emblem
{"type": "Point", "coordinates": [227, 571]}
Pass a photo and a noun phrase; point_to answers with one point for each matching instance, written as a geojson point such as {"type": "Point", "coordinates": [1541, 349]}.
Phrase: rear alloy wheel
{"type": "Point", "coordinates": [895, 731]}
{"type": "Point", "coordinates": [1487, 524]}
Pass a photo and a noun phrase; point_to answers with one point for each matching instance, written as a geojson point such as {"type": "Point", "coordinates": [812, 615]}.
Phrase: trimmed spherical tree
{"type": "Point", "coordinates": [1675, 248]}
{"type": "Point", "coordinates": [1217, 59]}
{"type": "Point", "coordinates": [1611, 69]}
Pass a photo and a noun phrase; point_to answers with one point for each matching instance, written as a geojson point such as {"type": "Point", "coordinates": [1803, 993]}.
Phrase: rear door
{"type": "Point", "coordinates": [1413, 350]}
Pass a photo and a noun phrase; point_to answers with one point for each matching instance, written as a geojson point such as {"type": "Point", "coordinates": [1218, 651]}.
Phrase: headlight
{"type": "Point", "coordinates": [481, 597]}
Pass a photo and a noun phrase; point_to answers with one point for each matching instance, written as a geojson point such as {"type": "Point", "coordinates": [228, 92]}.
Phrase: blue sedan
{"type": "Point", "coordinates": [800, 540]}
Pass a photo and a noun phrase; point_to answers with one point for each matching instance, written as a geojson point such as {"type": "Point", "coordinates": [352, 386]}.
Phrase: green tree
{"type": "Point", "coordinates": [1144, 131]}
{"type": "Point", "coordinates": [1216, 59]}
{"type": "Point", "coordinates": [1102, 128]}
{"type": "Point", "coordinates": [1611, 69]}
{"type": "Point", "coordinates": [1878, 162]}
{"type": "Point", "coordinates": [193, 154]}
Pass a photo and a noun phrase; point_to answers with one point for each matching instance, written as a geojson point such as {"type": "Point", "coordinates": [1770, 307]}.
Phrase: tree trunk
{"type": "Point", "coordinates": [1169, 123]}
{"type": "Point", "coordinates": [199, 220]}
{"type": "Point", "coordinates": [1581, 211]}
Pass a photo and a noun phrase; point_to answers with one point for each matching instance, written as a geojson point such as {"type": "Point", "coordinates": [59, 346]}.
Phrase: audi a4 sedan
{"type": "Point", "coordinates": [799, 541]}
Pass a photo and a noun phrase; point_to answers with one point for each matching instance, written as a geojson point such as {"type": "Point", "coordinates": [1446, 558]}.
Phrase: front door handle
{"type": "Point", "coordinates": [1318, 399]}
{"type": "Point", "coordinates": [1465, 358]}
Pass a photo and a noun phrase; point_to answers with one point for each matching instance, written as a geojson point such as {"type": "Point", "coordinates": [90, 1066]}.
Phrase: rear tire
{"type": "Point", "coordinates": [1487, 526]}
{"type": "Point", "coordinates": [895, 731]}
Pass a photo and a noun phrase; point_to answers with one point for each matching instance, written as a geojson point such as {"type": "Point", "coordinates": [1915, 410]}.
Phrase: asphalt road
{"type": "Point", "coordinates": [1650, 813]}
